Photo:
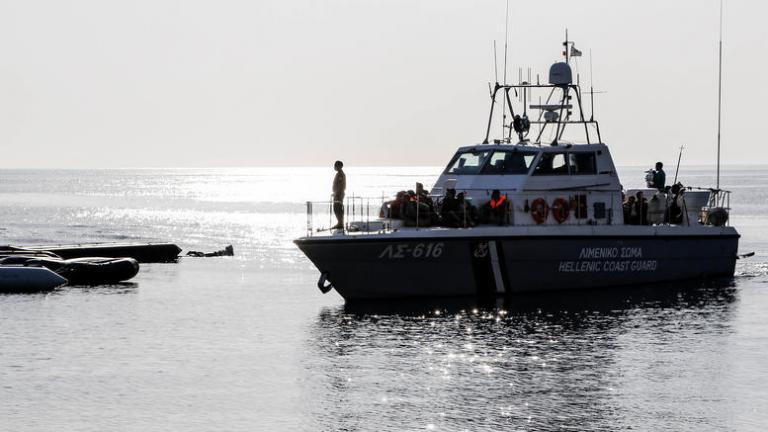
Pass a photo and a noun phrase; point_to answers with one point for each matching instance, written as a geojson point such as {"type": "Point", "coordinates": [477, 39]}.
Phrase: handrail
{"type": "Point", "coordinates": [358, 210]}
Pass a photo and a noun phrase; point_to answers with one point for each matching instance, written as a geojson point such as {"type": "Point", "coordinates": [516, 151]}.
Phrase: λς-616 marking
{"type": "Point", "coordinates": [420, 250]}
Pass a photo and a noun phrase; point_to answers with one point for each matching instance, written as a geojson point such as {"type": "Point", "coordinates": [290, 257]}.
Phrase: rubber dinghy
{"type": "Point", "coordinates": [19, 279]}
{"type": "Point", "coordinates": [83, 271]}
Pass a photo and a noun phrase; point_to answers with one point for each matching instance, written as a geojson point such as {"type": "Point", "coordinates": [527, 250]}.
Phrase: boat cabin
{"type": "Point", "coordinates": [583, 175]}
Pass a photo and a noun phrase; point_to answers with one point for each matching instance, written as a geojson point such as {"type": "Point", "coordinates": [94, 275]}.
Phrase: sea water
{"type": "Point", "coordinates": [248, 342]}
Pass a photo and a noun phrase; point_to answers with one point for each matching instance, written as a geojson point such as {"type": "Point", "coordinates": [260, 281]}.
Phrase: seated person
{"type": "Point", "coordinates": [657, 206]}
{"type": "Point", "coordinates": [414, 212]}
{"type": "Point", "coordinates": [455, 211]}
{"type": "Point", "coordinates": [630, 211]}
{"type": "Point", "coordinates": [641, 209]}
{"type": "Point", "coordinates": [496, 211]}
{"type": "Point", "coordinates": [449, 210]}
{"type": "Point", "coordinates": [675, 203]}
{"type": "Point", "coordinates": [391, 209]}
{"type": "Point", "coordinates": [468, 212]}
{"type": "Point", "coordinates": [424, 198]}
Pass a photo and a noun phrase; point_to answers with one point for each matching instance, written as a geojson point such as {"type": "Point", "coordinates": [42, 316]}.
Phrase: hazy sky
{"type": "Point", "coordinates": [387, 82]}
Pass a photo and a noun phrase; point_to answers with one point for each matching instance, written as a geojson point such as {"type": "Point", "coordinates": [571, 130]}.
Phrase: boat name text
{"type": "Point", "coordinates": [611, 252]}
{"type": "Point", "coordinates": [420, 250]}
{"type": "Point", "coordinates": [609, 259]}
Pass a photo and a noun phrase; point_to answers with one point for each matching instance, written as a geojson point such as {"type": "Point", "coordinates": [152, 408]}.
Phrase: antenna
{"type": "Point", "coordinates": [495, 64]}
{"type": "Point", "coordinates": [506, 40]}
{"type": "Point", "coordinates": [591, 88]}
{"type": "Point", "coordinates": [679, 156]}
{"type": "Point", "coordinates": [506, 91]}
{"type": "Point", "coordinates": [719, 93]}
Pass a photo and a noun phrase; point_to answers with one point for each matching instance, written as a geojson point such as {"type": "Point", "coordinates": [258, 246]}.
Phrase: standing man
{"type": "Point", "coordinates": [659, 177]}
{"type": "Point", "coordinates": [339, 186]}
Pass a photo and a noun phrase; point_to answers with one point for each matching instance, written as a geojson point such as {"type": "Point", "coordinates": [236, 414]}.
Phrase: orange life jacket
{"type": "Point", "coordinates": [500, 201]}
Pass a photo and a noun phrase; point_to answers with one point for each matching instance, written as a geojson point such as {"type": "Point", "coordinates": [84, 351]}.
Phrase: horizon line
{"type": "Point", "coordinates": [736, 164]}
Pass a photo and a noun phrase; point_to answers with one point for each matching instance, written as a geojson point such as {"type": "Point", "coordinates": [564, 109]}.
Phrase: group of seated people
{"type": "Point", "coordinates": [417, 208]}
{"type": "Point", "coordinates": [665, 206]}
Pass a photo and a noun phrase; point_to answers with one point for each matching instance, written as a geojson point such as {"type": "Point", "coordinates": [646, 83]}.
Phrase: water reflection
{"type": "Point", "coordinates": [600, 300]}
{"type": "Point", "coordinates": [536, 363]}
{"type": "Point", "coordinates": [115, 288]}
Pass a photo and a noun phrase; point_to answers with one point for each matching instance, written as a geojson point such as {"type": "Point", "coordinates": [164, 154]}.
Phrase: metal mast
{"type": "Point", "coordinates": [506, 41]}
{"type": "Point", "coordinates": [719, 92]}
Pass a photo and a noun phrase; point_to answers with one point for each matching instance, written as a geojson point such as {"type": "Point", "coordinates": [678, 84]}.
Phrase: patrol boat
{"type": "Point", "coordinates": [565, 228]}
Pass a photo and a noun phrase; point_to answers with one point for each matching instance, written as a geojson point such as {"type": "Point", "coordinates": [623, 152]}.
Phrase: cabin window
{"type": "Point", "coordinates": [467, 162]}
{"type": "Point", "coordinates": [552, 164]}
{"type": "Point", "coordinates": [509, 162]}
{"type": "Point", "coordinates": [600, 210]}
{"type": "Point", "coordinates": [582, 163]}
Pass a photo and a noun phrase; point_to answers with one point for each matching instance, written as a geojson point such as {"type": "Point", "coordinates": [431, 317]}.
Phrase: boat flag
{"type": "Point", "coordinates": [575, 52]}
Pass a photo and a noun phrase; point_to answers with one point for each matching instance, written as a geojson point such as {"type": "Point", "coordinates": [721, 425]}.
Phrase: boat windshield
{"type": "Point", "coordinates": [468, 162]}
{"type": "Point", "coordinates": [509, 162]}
{"type": "Point", "coordinates": [491, 162]}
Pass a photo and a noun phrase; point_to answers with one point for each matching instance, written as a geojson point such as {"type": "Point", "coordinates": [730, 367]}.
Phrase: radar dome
{"type": "Point", "coordinates": [560, 74]}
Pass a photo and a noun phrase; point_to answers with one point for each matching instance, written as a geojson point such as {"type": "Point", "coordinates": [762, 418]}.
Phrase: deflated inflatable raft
{"type": "Point", "coordinates": [81, 271]}
{"type": "Point", "coordinates": [141, 252]}
{"type": "Point", "coordinates": [19, 279]}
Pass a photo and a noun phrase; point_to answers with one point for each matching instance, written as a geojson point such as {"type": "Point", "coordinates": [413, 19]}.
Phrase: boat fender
{"type": "Point", "coordinates": [539, 210]}
{"type": "Point", "coordinates": [527, 207]}
{"type": "Point", "coordinates": [324, 284]}
{"type": "Point", "coordinates": [560, 210]}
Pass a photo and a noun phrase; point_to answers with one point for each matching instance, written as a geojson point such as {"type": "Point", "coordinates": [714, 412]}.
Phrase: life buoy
{"type": "Point", "coordinates": [539, 210]}
{"type": "Point", "coordinates": [560, 210]}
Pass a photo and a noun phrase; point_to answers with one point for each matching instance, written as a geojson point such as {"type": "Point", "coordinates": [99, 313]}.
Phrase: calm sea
{"type": "Point", "coordinates": [248, 343]}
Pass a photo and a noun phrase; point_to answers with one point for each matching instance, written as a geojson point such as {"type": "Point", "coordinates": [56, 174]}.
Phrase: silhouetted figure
{"type": "Point", "coordinates": [630, 211]}
{"type": "Point", "coordinates": [641, 209]}
{"type": "Point", "coordinates": [467, 211]}
{"type": "Point", "coordinates": [339, 187]}
{"type": "Point", "coordinates": [449, 210]}
{"type": "Point", "coordinates": [423, 195]}
{"type": "Point", "coordinates": [675, 204]}
{"type": "Point", "coordinates": [657, 207]}
{"type": "Point", "coordinates": [391, 209]}
{"type": "Point", "coordinates": [659, 177]}
{"type": "Point", "coordinates": [424, 198]}
{"type": "Point", "coordinates": [415, 212]}
{"type": "Point", "coordinates": [495, 211]}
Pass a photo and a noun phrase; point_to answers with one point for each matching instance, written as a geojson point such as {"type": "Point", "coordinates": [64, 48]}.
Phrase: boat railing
{"type": "Point", "coordinates": [361, 215]}
{"type": "Point", "coordinates": [718, 198]}
{"type": "Point", "coordinates": [719, 201]}
{"type": "Point", "coordinates": [371, 215]}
